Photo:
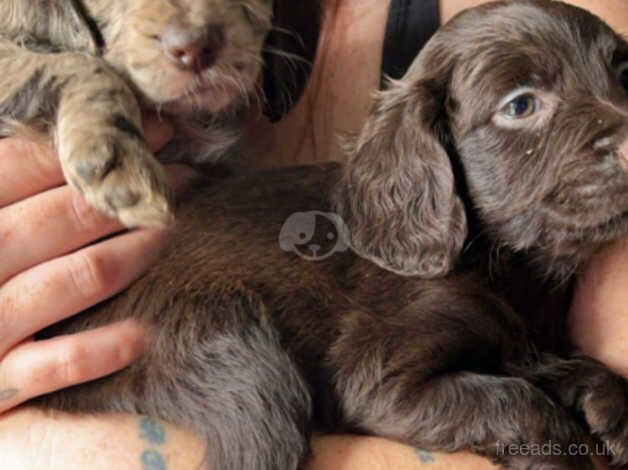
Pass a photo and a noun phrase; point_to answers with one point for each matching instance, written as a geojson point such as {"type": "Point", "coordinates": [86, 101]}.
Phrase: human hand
{"type": "Point", "coordinates": [599, 313]}
{"type": "Point", "coordinates": [51, 268]}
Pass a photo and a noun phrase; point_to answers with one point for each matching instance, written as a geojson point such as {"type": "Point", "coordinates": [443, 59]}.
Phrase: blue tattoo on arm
{"type": "Point", "coordinates": [425, 456]}
{"type": "Point", "coordinates": [8, 393]}
{"type": "Point", "coordinates": [154, 433]}
{"type": "Point", "coordinates": [152, 460]}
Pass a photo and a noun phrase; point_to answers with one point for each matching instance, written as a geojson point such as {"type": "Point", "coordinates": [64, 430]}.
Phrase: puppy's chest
{"type": "Point", "coordinates": [542, 303]}
{"type": "Point", "coordinates": [544, 306]}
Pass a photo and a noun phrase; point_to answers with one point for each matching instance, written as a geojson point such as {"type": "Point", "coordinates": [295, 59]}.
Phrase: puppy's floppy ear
{"type": "Point", "coordinates": [397, 195]}
{"type": "Point", "coordinates": [84, 33]}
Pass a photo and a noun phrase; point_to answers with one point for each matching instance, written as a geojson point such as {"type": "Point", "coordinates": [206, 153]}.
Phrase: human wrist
{"type": "Point", "coordinates": [363, 452]}
{"type": "Point", "coordinates": [32, 439]}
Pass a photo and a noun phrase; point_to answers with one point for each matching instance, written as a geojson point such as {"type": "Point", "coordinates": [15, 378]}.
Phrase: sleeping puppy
{"type": "Point", "coordinates": [85, 70]}
{"type": "Point", "coordinates": [479, 184]}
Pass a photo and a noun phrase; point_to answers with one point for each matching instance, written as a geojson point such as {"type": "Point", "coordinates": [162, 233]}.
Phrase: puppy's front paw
{"type": "Point", "coordinates": [605, 409]}
{"type": "Point", "coordinates": [117, 174]}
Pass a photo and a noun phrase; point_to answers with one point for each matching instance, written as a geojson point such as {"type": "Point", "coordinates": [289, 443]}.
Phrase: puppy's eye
{"type": "Point", "coordinates": [521, 106]}
{"type": "Point", "coordinates": [622, 74]}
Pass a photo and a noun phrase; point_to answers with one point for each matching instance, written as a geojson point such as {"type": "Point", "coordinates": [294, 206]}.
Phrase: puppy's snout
{"type": "Point", "coordinates": [192, 50]}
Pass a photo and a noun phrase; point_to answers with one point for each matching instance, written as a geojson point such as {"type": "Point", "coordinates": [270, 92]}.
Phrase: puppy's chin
{"type": "Point", "coordinates": [208, 100]}
{"type": "Point", "coordinates": [223, 87]}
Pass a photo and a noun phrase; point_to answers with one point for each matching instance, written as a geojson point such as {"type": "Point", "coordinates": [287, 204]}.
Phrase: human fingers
{"type": "Point", "coordinates": [28, 167]}
{"type": "Point", "coordinates": [62, 287]}
{"type": "Point", "coordinates": [38, 367]}
{"type": "Point", "coordinates": [56, 222]}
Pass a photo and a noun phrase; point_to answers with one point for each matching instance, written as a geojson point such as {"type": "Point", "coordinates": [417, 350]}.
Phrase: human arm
{"type": "Point", "coordinates": [362, 454]}
{"type": "Point", "coordinates": [31, 439]}
{"type": "Point", "coordinates": [53, 266]}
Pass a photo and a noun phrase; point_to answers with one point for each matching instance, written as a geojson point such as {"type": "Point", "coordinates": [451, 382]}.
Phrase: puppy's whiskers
{"type": "Point", "coordinates": [289, 56]}
{"type": "Point", "coordinates": [293, 34]}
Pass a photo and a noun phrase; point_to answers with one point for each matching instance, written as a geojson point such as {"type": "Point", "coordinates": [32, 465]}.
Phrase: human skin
{"type": "Point", "coordinates": [51, 269]}
{"type": "Point", "coordinates": [350, 47]}
{"type": "Point", "coordinates": [599, 314]}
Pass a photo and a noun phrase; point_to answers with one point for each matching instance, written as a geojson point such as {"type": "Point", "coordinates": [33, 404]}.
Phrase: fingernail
{"type": "Point", "coordinates": [133, 342]}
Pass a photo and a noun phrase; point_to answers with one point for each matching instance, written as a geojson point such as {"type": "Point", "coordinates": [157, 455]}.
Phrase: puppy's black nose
{"type": "Point", "coordinates": [190, 49]}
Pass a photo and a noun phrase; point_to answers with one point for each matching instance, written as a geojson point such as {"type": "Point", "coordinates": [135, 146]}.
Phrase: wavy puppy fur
{"type": "Point", "coordinates": [86, 69]}
{"type": "Point", "coordinates": [490, 172]}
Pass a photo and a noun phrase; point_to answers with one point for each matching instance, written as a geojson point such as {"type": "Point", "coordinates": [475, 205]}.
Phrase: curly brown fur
{"type": "Point", "coordinates": [86, 68]}
{"type": "Point", "coordinates": [541, 198]}
{"type": "Point", "coordinates": [251, 343]}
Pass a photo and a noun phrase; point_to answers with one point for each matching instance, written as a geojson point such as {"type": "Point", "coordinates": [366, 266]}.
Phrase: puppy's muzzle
{"type": "Point", "coordinates": [192, 50]}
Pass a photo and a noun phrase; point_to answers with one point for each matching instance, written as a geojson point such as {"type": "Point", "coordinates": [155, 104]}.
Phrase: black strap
{"type": "Point", "coordinates": [290, 48]}
{"type": "Point", "coordinates": [411, 23]}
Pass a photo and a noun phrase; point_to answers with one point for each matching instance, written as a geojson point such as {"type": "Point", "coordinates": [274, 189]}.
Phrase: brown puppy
{"type": "Point", "coordinates": [490, 173]}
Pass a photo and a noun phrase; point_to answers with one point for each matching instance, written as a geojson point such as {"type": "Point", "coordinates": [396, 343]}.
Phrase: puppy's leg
{"type": "Point", "coordinates": [591, 390]}
{"type": "Point", "coordinates": [216, 367]}
{"type": "Point", "coordinates": [402, 376]}
{"type": "Point", "coordinates": [97, 129]}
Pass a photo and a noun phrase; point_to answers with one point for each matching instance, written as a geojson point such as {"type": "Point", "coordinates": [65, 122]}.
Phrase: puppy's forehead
{"type": "Point", "coordinates": [533, 43]}
{"type": "Point", "coordinates": [197, 7]}
{"type": "Point", "coordinates": [536, 21]}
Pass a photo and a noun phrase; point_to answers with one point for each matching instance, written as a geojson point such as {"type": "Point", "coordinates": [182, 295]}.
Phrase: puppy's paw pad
{"type": "Point", "coordinates": [93, 168]}
{"type": "Point", "coordinates": [149, 210]}
{"type": "Point", "coordinates": [137, 194]}
{"type": "Point", "coordinates": [122, 198]}
{"type": "Point", "coordinates": [121, 178]}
